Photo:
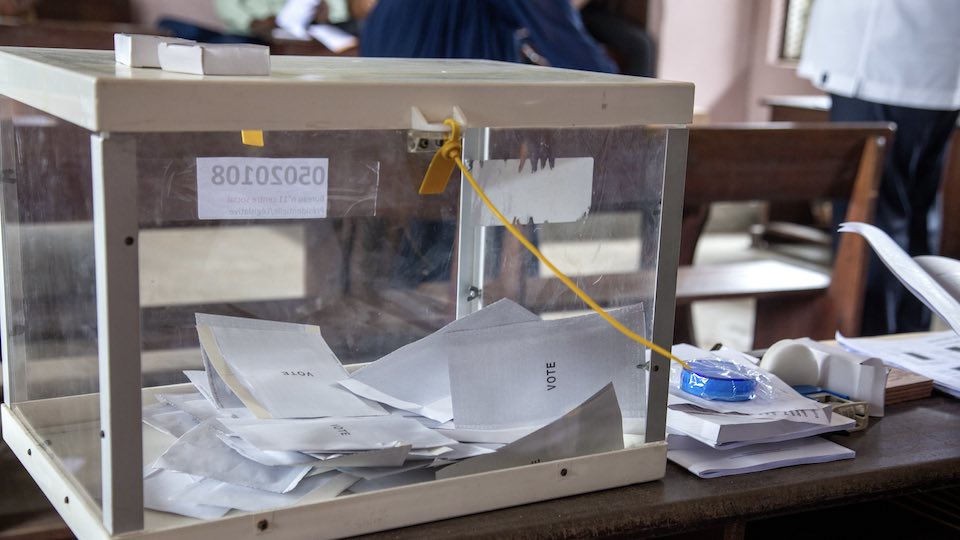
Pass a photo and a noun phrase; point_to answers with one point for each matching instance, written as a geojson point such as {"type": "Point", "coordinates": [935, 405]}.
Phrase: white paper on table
{"type": "Point", "coordinates": [201, 453]}
{"type": "Point", "coordinates": [913, 276]}
{"type": "Point", "coordinates": [321, 486]}
{"type": "Point", "coordinates": [936, 356]}
{"type": "Point", "coordinates": [333, 37]}
{"type": "Point", "coordinates": [783, 398]}
{"type": "Point", "coordinates": [863, 378]}
{"type": "Point", "coordinates": [528, 374]}
{"type": "Point", "coordinates": [592, 427]}
{"type": "Point", "coordinates": [708, 462]}
{"type": "Point", "coordinates": [386, 457]}
{"type": "Point", "coordinates": [160, 491]}
{"type": "Point", "coordinates": [733, 431]}
{"type": "Point", "coordinates": [289, 374]}
{"type": "Point", "coordinates": [168, 419]}
{"type": "Point", "coordinates": [486, 436]}
{"type": "Point", "coordinates": [416, 377]}
{"type": "Point", "coordinates": [296, 15]}
{"type": "Point", "coordinates": [818, 413]}
{"type": "Point", "coordinates": [336, 434]}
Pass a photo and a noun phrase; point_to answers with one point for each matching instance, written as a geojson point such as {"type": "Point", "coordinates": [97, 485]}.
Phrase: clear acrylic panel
{"type": "Point", "coordinates": [50, 287]}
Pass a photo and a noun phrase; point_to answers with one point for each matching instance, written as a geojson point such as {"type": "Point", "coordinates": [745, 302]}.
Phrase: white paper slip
{"type": "Point", "coordinates": [374, 473]}
{"type": "Point", "coordinates": [416, 377]}
{"type": "Point", "coordinates": [914, 277]}
{"type": "Point", "coordinates": [486, 436]}
{"type": "Point", "coordinates": [168, 419]}
{"type": "Point", "coordinates": [201, 453]}
{"type": "Point", "coordinates": [528, 374]}
{"type": "Point", "coordinates": [406, 478]}
{"type": "Point", "coordinates": [457, 451]}
{"type": "Point", "coordinates": [196, 405]}
{"type": "Point", "coordinates": [288, 374]}
{"type": "Point", "coordinates": [215, 58]}
{"type": "Point", "coordinates": [592, 427]}
{"type": "Point", "coordinates": [732, 430]}
{"type": "Point", "coordinates": [387, 457]}
{"type": "Point", "coordinates": [161, 489]}
{"type": "Point", "coordinates": [208, 491]}
{"type": "Point", "coordinates": [336, 434]}
{"type": "Point", "coordinates": [264, 457]}
{"type": "Point", "coordinates": [782, 397]}
{"type": "Point", "coordinates": [560, 193]}
{"type": "Point", "coordinates": [707, 462]}
{"type": "Point", "coordinates": [220, 393]}
{"type": "Point", "coordinates": [138, 50]}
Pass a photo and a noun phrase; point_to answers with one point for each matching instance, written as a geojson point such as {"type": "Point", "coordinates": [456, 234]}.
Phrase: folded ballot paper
{"type": "Point", "coordinates": [775, 429]}
{"type": "Point", "coordinates": [275, 419]}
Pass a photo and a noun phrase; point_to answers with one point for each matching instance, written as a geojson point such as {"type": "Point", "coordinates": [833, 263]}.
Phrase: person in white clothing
{"type": "Point", "coordinates": [894, 61]}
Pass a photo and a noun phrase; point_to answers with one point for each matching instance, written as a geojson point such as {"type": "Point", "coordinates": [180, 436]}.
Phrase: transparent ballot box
{"type": "Point", "coordinates": [166, 273]}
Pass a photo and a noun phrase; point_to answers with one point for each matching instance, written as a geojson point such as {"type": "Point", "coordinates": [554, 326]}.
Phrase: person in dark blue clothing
{"type": "Point", "coordinates": [485, 29]}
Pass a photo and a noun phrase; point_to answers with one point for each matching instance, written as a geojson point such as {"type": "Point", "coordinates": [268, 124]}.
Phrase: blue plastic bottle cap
{"type": "Point", "coordinates": [718, 380]}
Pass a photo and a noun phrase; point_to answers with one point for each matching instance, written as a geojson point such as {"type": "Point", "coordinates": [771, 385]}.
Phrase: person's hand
{"type": "Point", "coordinates": [263, 28]}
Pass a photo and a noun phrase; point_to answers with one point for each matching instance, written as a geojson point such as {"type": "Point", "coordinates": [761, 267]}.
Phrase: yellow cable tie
{"type": "Point", "coordinates": [451, 149]}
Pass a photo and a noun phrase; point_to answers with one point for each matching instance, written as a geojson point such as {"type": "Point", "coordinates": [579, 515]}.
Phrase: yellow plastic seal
{"type": "Point", "coordinates": [252, 137]}
{"type": "Point", "coordinates": [443, 163]}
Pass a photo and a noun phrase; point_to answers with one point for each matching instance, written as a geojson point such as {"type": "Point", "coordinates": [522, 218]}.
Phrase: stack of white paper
{"type": "Point", "coordinates": [769, 431]}
{"type": "Point", "coordinates": [275, 417]}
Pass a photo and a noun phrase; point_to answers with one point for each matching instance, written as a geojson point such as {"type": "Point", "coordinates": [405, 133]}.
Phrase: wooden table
{"type": "Point", "coordinates": [914, 448]}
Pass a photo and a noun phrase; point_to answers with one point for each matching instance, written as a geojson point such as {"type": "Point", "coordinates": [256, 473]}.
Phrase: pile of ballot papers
{"type": "Point", "coordinates": [776, 429]}
{"type": "Point", "coordinates": [274, 418]}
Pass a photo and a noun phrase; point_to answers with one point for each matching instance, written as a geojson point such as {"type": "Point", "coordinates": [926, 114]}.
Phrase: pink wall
{"type": "Point", "coordinates": [721, 46]}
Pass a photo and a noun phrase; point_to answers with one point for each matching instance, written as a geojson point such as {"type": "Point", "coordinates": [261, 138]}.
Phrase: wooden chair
{"type": "Point", "coordinates": [778, 163]}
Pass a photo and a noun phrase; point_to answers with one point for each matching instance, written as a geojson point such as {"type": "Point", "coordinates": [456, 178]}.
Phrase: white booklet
{"type": "Point", "coordinates": [735, 430]}
{"type": "Point", "coordinates": [707, 462]}
{"type": "Point", "coordinates": [935, 281]}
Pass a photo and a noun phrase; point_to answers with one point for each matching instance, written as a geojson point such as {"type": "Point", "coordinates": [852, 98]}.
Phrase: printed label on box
{"type": "Point", "coordinates": [262, 188]}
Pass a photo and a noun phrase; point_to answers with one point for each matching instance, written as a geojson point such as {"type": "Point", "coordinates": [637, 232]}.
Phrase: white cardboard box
{"type": "Point", "coordinates": [138, 50]}
{"type": "Point", "coordinates": [215, 59]}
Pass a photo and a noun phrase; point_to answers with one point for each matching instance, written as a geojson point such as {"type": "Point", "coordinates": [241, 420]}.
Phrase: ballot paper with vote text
{"type": "Point", "coordinates": [528, 374]}
{"type": "Point", "coordinates": [416, 377]}
{"type": "Point", "coordinates": [592, 427]}
{"type": "Point", "coordinates": [281, 371]}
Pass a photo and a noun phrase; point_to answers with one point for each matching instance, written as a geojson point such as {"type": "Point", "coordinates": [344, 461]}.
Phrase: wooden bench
{"type": "Point", "coordinates": [748, 162]}
{"type": "Point", "coordinates": [779, 163]}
